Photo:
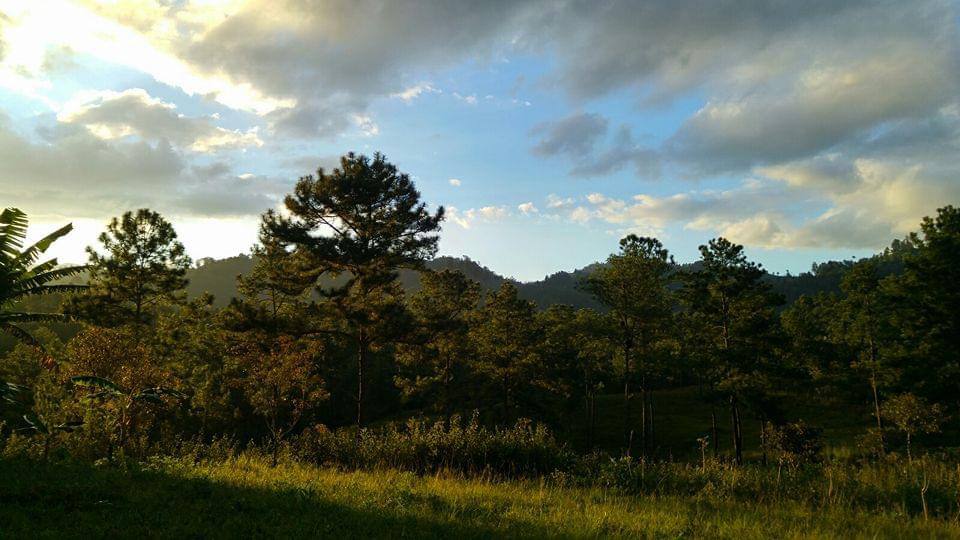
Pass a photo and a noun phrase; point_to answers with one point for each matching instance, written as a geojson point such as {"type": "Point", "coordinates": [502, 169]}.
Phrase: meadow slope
{"type": "Point", "coordinates": [245, 497]}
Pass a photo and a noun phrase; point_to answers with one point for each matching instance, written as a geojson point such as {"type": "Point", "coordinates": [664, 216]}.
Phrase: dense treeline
{"type": "Point", "coordinates": [324, 336]}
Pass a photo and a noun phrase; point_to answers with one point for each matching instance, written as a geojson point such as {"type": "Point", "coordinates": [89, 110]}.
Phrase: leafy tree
{"type": "Point", "coordinates": [363, 221]}
{"type": "Point", "coordinates": [281, 383]}
{"type": "Point", "coordinates": [436, 366]}
{"type": "Point", "coordinates": [505, 335]}
{"type": "Point", "coordinates": [912, 415]}
{"type": "Point", "coordinates": [21, 276]}
{"type": "Point", "coordinates": [633, 285]}
{"type": "Point", "coordinates": [142, 264]}
{"type": "Point", "coordinates": [123, 380]}
{"type": "Point", "coordinates": [732, 309]}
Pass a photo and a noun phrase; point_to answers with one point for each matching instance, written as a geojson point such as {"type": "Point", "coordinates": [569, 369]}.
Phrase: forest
{"type": "Point", "coordinates": [351, 373]}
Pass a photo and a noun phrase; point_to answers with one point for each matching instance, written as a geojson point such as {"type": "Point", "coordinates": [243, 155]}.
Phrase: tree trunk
{"type": "Point", "coordinates": [361, 368]}
{"type": "Point", "coordinates": [713, 431]}
{"type": "Point", "coordinates": [653, 425]}
{"type": "Point", "coordinates": [447, 402]}
{"type": "Point", "coordinates": [643, 420]}
{"type": "Point", "coordinates": [627, 416]}
{"type": "Point", "coordinates": [876, 410]}
{"type": "Point", "coordinates": [735, 427]}
{"type": "Point", "coordinates": [763, 440]}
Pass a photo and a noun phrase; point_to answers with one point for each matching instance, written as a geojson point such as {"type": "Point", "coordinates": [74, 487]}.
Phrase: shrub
{"type": "Point", "coordinates": [525, 449]}
{"type": "Point", "coordinates": [794, 444]}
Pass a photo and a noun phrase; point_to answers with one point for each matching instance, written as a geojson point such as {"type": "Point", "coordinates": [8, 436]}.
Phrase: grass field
{"type": "Point", "coordinates": [245, 497]}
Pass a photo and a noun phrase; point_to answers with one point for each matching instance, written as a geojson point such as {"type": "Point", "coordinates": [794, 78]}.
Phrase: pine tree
{"type": "Point", "coordinates": [362, 221]}
{"type": "Point", "coordinates": [141, 266]}
{"type": "Point", "coordinates": [435, 365]}
{"type": "Point", "coordinates": [633, 285]}
{"type": "Point", "coordinates": [728, 302]}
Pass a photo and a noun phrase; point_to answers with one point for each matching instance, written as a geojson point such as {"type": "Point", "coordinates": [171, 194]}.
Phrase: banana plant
{"type": "Point", "coordinates": [41, 427]}
{"type": "Point", "coordinates": [9, 392]}
{"type": "Point", "coordinates": [21, 276]}
{"type": "Point", "coordinates": [126, 401]}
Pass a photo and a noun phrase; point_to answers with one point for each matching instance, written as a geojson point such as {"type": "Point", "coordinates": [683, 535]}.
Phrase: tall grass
{"type": "Point", "coordinates": [244, 496]}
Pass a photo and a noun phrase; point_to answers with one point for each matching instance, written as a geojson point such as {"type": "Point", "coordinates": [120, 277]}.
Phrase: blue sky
{"type": "Point", "coordinates": [806, 132]}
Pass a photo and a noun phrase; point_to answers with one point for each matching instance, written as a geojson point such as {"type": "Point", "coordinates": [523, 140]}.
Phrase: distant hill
{"type": "Point", "coordinates": [218, 277]}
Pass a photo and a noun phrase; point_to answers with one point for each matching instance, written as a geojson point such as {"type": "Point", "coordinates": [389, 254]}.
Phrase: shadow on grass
{"type": "Point", "coordinates": [70, 500]}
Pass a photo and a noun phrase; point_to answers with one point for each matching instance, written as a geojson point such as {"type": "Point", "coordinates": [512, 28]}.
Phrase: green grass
{"type": "Point", "coordinates": [245, 497]}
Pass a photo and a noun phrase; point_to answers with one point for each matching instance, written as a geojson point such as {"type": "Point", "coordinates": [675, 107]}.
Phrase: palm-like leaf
{"type": "Point", "coordinates": [21, 275]}
{"type": "Point", "coordinates": [38, 424]}
{"type": "Point", "coordinates": [106, 386]}
{"type": "Point", "coordinates": [10, 391]}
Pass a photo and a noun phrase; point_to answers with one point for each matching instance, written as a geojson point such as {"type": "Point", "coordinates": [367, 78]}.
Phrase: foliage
{"type": "Point", "coordinates": [523, 450]}
{"type": "Point", "coordinates": [912, 415]}
{"type": "Point", "coordinates": [141, 264]}
{"type": "Point", "coordinates": [363, 221]}
{"type": "Point", "coordinates": [633, 285]}
{"type": "Point", "coordinates": [21, 276]}
{"type": "Point", "coordinates": [504, 336]}
{"type": "Point", "coordinates": [731, 309]}
{"type": "Point", "coordinates": [281, 382]}
{"type": "Point", "coordinates": [434, 368]}
{"type": "Point", "coordinates": [794, 443]}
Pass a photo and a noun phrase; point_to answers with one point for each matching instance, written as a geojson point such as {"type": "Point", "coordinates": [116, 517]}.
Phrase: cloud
{"type": "Point", "coordinates": [142, 37]}
{"type": "Point", "coordinates": [455, 182]}
{"type": "Point", "coordinates": [816, 203]}
{"type": "Point", "coordinates": [467, 218]}
{"type": "Point", "coordinates": [468, 99]}
{"type": "Point", "coordinates": [112, 115]}
{"type": "Point", "coordinates": [780, 82]}
{"type": "Point", "coordinates": [555, 201]}
{"type": "Point", "coordinates": [415, 91]}
{"type": "Point", "coordinates": [528, 208]}
{"type": "Point", "coordinates": [72, 172]}
{"type": "Point", "coordinates": [824, 107]}
{"type": "Point", "coordinates": [575, 135]}
{"type": "Point", "coordinates": [577, 138]}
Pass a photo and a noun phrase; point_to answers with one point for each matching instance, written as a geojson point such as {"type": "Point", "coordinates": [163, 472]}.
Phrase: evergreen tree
{"type": "Point", "coordinates": [275, 293]}
{"type": "Point", "coordinates": [633, 285]}
{"type": "Point", "coordinates": [435, 366]}
{"type": "Point", "coordinates": [863, 324]}
{"type": "Point", "coordinates": [363, 221]}
{"type": "Point", "coordinates": [731, 306]}
{"type": "Point", "coordinates": [505, 335]}
{"type": "Point", "coordinates": [141, 265]}
{"type": "Point", "coordinates": [927, 297]}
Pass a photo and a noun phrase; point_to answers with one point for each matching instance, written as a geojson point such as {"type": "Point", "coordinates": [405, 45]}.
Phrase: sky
{"type": "Point", "coordinates": [548, 130]}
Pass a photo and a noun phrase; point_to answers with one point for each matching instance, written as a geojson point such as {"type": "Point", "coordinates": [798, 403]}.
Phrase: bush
{"type": "Point", "coordinates": [794, 444]}
{"type": "Point", "coordinates": [421, 446]}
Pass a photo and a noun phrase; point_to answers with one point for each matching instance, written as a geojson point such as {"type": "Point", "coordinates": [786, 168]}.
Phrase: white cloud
{"type": "Point", "coordinates": [36, 27]}
{"type": "Point", "coordinates": [113, 115]}
{"type": "Point", "coordinates": [555, 201]}
{"type": "Point", "coordinates": [366, 125]}
{"type": "Point", "coordinates": [455, 182]}
{"type": "Point", "coordinates": [467, 218]}
{"type": "Point", "coordinates": [581, 214]}
{"type": "Point", "coordinates": [527, 208]}
{"type": "Point", "coordinates": [469, 100]}
{"type": "Point", "coordinates": [493, 212]}
{"type": "Point", "coordinates": [415, 91]}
